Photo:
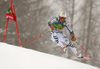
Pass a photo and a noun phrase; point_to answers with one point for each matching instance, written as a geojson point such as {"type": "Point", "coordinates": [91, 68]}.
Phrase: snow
{"type": "Point", "coordinates": [14, 57]}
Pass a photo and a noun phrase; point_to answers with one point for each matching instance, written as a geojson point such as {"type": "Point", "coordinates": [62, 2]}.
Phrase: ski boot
{"type": "Point", "coordinates": [79, 55]}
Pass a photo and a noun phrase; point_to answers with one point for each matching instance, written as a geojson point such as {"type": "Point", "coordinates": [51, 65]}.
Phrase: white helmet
{"type": "Point", "coordinates": [62, 14]}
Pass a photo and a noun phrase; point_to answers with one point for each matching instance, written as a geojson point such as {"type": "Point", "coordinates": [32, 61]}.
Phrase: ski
{"type": "Point", "coordinates": [81, 58]}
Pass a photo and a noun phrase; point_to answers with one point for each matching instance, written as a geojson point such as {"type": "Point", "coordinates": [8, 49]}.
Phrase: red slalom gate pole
{"type": "Point", "coordinates": [13, 9]}
{"type": "Point", "coordinates": [18, 33]}
{"type": "Point", "coordinates": [16, 26]}
{"type": "Point", "coordinates": [11, 2]}
{"type": "Point", "coordinates": [7, 25]}
{"type": "Point", "coordinates": [6, 30]}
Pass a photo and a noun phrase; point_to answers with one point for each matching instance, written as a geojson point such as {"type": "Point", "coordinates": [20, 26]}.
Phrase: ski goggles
{"type": "Point", "coordinates": [62, 18]}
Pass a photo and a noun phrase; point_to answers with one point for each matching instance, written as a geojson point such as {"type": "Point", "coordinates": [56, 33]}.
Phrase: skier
{"type": "Point", "coordinates": [57, 24]}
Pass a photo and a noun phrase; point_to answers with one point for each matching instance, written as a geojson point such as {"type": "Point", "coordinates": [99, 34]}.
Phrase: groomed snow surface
{"type": "Point", "coordinates": [14, 57]}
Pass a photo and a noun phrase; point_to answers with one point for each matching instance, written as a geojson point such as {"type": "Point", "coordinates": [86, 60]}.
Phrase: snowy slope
{"type": "Point", "coordinates": [13, 57]}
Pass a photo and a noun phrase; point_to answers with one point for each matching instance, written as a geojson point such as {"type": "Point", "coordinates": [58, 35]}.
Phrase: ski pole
{"type": "Point", "coordinates": [37, 37]}
{"type": "Point", "coordinates": [84, 48]}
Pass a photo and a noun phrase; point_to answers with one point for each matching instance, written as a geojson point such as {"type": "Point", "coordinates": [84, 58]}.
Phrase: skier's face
{"type": "Point", "coordinates": [62, 19]}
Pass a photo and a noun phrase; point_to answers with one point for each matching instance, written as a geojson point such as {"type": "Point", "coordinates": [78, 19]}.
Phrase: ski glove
{"type": "Point", "coordinates": [52, 27]}
{"type": "Point", "coordinates": [73, 38]}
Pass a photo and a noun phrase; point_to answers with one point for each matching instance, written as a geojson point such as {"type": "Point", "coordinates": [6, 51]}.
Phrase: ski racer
{"type": "Point", "coordinates": [57, 24]}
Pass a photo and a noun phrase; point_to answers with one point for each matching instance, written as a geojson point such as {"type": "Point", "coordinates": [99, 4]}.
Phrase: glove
{"type": "Point", "coordinates": [52, 27]}
{"type": "Point", "coordinates": [73, 38]}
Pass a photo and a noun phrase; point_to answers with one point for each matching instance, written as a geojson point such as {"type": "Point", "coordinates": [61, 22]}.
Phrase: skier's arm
{"type": "Point", "coordinates": [71, 32]}
{"type": "Point", "coordinates": [50, 23]}
{"type": "Point", "coordinates": [51, 26]}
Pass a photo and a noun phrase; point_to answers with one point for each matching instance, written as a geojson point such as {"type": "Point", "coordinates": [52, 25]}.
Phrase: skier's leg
{"type": "Point", "coordinates": [52, 36]}
{"type": "Point", "coordinates": [60, 44]}
{"type": "Point", "coordinates": [55, 38]}
{"type": "Point", "coordinates": [74, 50]}
{"type": "Point", "coordinates": [60, 39]}
{"type": "Point", "coordinates": [64, 39]}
